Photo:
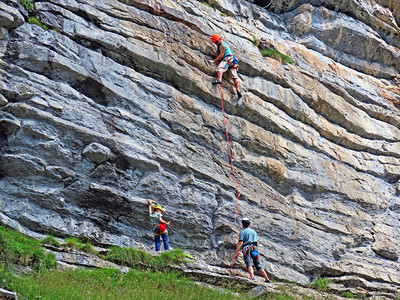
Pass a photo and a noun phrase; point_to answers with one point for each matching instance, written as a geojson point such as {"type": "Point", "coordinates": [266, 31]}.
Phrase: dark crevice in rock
{"type": "Point", "coordinates": [91, 19]}
{"type": "Point", "coordinates": [103, 208]}
{"type": "Point", "coordinates": [263, 3]}
{"type": "Point", "coordinates": [92, 89]}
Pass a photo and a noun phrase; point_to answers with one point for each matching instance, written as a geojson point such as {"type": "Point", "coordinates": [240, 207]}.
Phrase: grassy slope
{"type": "Point", "coordinates": [107, 284]}
{"type": "Point", "coordinates": [44, 282]}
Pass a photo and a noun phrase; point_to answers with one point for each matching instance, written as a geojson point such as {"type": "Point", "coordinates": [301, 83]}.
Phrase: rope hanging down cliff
{"type": "Point", "coordinates": [230, 156]}
{"type": "Point", "coordinates": [232, 166]}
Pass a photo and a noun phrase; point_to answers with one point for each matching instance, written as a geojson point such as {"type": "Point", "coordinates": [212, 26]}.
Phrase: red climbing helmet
{"type": "Point", "coordinates": [215, 38]}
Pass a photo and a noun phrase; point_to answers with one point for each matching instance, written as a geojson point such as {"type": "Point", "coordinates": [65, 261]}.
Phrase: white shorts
{"type": "Point", "coordinates": [224, 66]}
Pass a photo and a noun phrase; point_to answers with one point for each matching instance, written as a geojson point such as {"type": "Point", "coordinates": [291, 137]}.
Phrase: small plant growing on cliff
{"type": "Point", "coordinates": [50, 240]}
{"type": "Point", "coordinates": [277, 55]}
{"type": "Point", "coordinates": [28, 5]}
{"type": "Point", "coordinates": [206, 3]}
{"type": "Point", "coordinates": [268, 50]}
{"type": "Point", "coordinates": [35, 21]}
{"type": "Point", "coordinates": [88, 248]}
{"type": "Point", "coordinates": [255, 41]}
{"type": "Point", "coordinates": [74, 243]}
{"type": "Point", "coordinates": [348, 294]}
{"type": "Point", "coordinates": [321, 283]}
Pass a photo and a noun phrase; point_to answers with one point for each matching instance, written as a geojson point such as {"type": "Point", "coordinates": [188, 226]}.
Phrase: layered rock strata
{"type": "Point", "coordinates": [116, 106]}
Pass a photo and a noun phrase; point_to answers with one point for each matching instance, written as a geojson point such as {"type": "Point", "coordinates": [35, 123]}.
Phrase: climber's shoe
{"type": "Point", "coordinates": [216, 81]}
{"type": "Point", "coordinates": [239, 94]}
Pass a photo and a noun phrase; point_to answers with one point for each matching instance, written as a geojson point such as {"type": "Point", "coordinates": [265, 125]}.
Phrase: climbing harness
{"type": "Point", "coordinates": [251, 250]}
{"type": "Point", "coordinates": [159, 229]}
{"type": "Point", "coordinates": [233, 63]}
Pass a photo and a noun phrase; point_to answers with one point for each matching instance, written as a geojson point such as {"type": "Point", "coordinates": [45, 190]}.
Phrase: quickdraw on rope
{"type": "Point", "coordinates": [233, 168]}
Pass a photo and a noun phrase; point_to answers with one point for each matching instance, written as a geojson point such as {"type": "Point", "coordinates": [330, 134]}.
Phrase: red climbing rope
{"type": "Point", "coordinates": [230, 155]}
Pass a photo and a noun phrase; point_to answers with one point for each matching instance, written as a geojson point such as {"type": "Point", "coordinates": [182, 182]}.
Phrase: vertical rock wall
{"type": "Point", "coordinates": [116, 105]}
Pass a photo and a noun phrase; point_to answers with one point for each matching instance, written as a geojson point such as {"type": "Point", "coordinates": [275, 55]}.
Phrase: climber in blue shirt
{"type": "Point", "coordinates": [248, 240]}
{"type": "Point", "coordinates": [226, 62]}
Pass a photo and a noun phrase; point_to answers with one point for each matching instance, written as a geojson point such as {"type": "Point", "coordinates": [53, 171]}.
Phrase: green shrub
{"type": "Point", "coordinates": [277, 55]}
{"type": "Point", "coordinates": [255, 41]}
{"type": "Point", "coordinates": [175, 256]}
{"type": "Point", "coordinates": [71, 242]}
{"type": "Point", "coordinates": [33, 20]}
{"type": "Point", "coordinates": [321, 283]}
{"type": "Point", "coordinates": [348, 294]}
{"type": "Point", "coordinates": [28, 5]}
{"type": "Point", "coordinates": [50, 240]}
{"type": "Point", "coordinates": [88, 248]}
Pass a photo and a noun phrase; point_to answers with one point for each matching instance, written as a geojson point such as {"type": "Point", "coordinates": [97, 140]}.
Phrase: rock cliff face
{"type": "Point", "coordinates": [115, 105]}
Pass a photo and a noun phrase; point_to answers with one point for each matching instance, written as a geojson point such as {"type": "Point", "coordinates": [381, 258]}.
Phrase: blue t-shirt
{"type": "Point", "coordinates": [228, 50]}
{"type": "Point", "coordinates": [248, 236]}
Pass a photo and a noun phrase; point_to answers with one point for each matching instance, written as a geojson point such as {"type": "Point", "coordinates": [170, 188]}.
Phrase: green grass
{"type": "Point", "coordinates": [16, 248]}
{"type": "Point", "coordinates": [348, 294]}
{"type": "Point", "coordinates": [321, 283]}
{"type": "Point", "coordinates": [277, 55]}
{"type": "Point", "coordinates": [86, 284]}
{"type": "Point", "coordinates": [75, 243]}
{"type": "Point", "coordinates": [28, 5]}
{"type": "Point", "coordinates": [35, 21]}
{"type": "Point", "coordinates": [206, 3]}
{"type": "Point", "coordinates": [255, 41]}
{"type": "Point", "coordinates": [50, 240]}
{"type": "Point", "coordinates": [283, 295]}
{"type": "Point", "coordinates": [132, 257]}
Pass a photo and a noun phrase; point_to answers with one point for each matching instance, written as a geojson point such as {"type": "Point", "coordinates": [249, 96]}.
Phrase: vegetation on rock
{"type": "Point", "coordinates": [75, 243]}
{"type": "Point", "coordinates": [132, 257]}
{"type": "Point", "coordinates": [16, 248]}
{"type": "Point", "coordinates": [28, 5]}
{"type": "Point", "coordinates": [321, 283]}
{"type": "Point", "coordinates": [270, 51]}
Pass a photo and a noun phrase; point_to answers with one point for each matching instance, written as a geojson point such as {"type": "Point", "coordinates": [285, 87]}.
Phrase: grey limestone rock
{"type": "Point", "coordinates": [10, 16]}
{"type": "Point", "coordinates": [97, 153]}
{"type": "Point", "coordinates": [3, 100]}
{"type": "Point", "coordinates": [386, 249]}
{"type": "Point", "coordinates": [7, 295]}
{"type": "Point", "coordinates": [116, 106]}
